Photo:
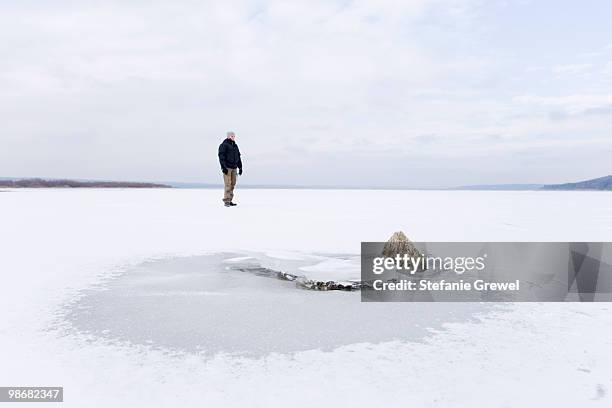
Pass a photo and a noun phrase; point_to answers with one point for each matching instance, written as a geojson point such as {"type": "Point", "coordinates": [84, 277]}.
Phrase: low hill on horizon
{"type": "Point", "coordinates": [601, 183]}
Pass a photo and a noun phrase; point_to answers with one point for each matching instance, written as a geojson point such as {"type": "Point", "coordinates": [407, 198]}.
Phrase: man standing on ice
{"type": "Point", "coordinates": [229, 158]}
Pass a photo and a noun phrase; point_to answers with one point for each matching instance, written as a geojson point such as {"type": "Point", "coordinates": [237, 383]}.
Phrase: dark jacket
{"type": "Point", "coordinates": [229, 155]}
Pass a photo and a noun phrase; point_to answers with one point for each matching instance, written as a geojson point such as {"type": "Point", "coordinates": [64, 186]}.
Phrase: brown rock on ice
{"type": "Point", "coordinates": [399, 244]}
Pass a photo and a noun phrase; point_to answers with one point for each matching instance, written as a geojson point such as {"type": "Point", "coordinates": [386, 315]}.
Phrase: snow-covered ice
{"type": "Point", "coordinates": [158, 338]}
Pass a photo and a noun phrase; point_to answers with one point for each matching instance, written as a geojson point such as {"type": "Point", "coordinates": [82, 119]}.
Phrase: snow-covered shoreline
{"type": "Point", "coordinates": [58, 242]}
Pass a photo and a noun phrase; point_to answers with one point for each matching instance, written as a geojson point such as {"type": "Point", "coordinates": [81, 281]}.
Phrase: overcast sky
{"type": "Point", "coordinates": [388, 93]}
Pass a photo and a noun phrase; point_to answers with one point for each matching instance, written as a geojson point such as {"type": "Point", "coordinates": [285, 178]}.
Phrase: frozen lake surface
{"type": "Point", "coordinates": [123, 298]}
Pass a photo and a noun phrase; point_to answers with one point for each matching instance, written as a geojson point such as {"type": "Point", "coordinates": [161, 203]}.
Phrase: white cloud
{"type": "Point", "coordinates": [571, 68]}
{"type": "Point", "coordinates": [571, 103]}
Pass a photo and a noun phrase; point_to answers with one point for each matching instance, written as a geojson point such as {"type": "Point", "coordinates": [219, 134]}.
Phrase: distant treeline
{"type": "Point", "coordinates": [42, 183]}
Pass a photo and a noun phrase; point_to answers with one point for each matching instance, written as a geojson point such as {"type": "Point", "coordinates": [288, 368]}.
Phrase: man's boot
{"type": "Point", "coordinates": [228, 204]}
{"type": "Point", "coordinates": [232, 204]}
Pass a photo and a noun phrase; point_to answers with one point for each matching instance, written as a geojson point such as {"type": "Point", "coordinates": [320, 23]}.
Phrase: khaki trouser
{"type": "Point", "coordinates": [229, 180]}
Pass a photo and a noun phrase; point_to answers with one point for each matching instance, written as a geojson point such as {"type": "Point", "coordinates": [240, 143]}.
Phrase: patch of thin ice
{"type": "Point", "coordinates": [334, 269]}
{"type": "Point", "coordinates": [238, 259]}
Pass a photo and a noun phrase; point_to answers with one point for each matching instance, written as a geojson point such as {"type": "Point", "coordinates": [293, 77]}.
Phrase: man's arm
{"type": "Point", "coordinates": [222, 158]}
{"type": "Point", "coordinates": [239, 161]}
